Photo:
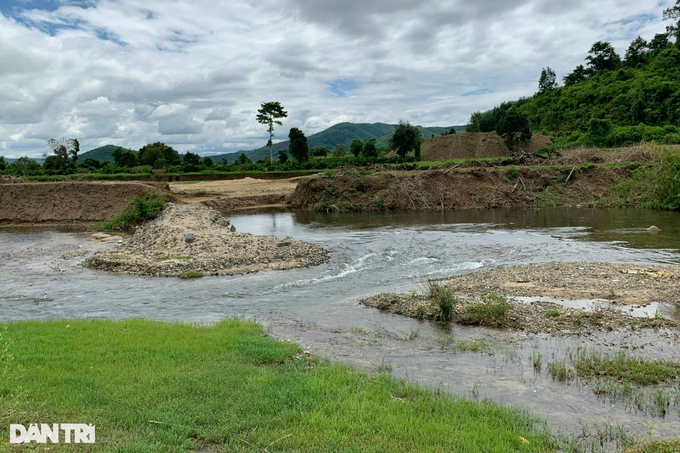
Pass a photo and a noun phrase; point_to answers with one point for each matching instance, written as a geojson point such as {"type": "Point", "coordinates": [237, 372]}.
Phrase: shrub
{"type": "Point", "coordinates": [137, 210]}
{"type": "Point", "coordinates": [444, 299]}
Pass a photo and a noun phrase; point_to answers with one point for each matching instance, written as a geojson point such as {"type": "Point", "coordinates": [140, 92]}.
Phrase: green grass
{"type": "Point", "coordinates": [229, 385]}
{"type": "Point", "coordinates": [490, 312]}
{"type": "Point", "coordinates": [623, 368]}
{"type": "Point", "coordinates": [137, 210]}
{"type": "Point", "coordinates": [443, 299]}
{"type": "Point", "coordinates": [657, 446]}
{"type": "Point", "coordinates": [191, 274]}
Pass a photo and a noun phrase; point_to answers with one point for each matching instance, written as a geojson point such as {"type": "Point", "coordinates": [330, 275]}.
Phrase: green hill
{"type": "Point", "coordinates": [425, 133]}
{"type": "Point", "coordinates": [103, 154]}
{"type": "Point", "coordinates": [612, 102]}
{"type": "Point", "coordinates": [339, 133]}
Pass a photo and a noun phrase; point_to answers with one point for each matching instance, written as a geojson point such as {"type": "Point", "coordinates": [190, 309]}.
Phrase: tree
{"type": "Point", "coordinates": [370, 151]}
{"type": "Point", "coordinates": [578, 75]}
{"type": "Point", "coordinates": [191, 161]}
{"type": "Point", "coordinates": [3, 164]}
{"type": "Point", "coordinates": [514, 129]}
{"type": "Point", "coordinates": [319, 151]}
{"type": "Point", "coordinates": [637, 52]}
{"type": "Point", "coordinates": [153, 153]}
{"type": "Point", "coordinates": [55, 162]}
{"type": "Point", "coordinates": [24, 165]}
{"type": "Point", "coordinates": [339, 152]}
{"type": "Point", "coordinates": [298, 145]}
{"type": "Point", "coordinates": [243, 159]}
{"type": "Point", "coordinates": [356, 146]}
{"type": "Point", "coordinates": [93, 163]}
{"type": "Point", "coordinates": [64, 153]}
{"type": "Point", "coordinates": [452, 131]}
{"type": "Point", "coordinates": [271, 113]}
{"type": "Point", "coordinates": [283, 156]}
{"type": "Point", "coordinates": [124, 158]}
{"type": "Point", "coordinates": [547, 81]}
{"type": "Point", "coordinates": [603, 57]}
{"type": "Point", "coordinates": [207, 161]}
{"type": "Point", "coordinates": [406, 138]}
{"type": "Point", "coordinates": [673, 13]}
{"type": "Point", "coordinates": [659, 42]}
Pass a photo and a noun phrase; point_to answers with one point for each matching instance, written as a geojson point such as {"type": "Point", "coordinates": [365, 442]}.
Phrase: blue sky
{"type": "Point", "coordinates": [193, 73]}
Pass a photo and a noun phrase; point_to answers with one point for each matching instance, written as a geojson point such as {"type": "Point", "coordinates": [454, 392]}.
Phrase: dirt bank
{"type": "Point", "coordinates": [196, 238]}
{"type": "Point", "coordinates": [484, 298]}
{"type": "Point", "coordinates": [468, 188]}
{"type": "Point", "coordinates": [477, 145]}
{"type": "Point", "coordinates": [68, 202]}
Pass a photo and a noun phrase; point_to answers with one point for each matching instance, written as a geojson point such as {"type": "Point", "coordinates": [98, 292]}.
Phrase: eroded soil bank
{"type": "Point", "coordinates": [454, 188]}
{"type": "Point", "coordinates": [485, 298]}
{"type": "Point", "coordinates": [76, 204]}
{"type": "Point", "coordinates": [195, 238]}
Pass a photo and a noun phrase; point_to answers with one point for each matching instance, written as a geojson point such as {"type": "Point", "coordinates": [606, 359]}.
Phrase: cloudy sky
{"type": "Point", "coordinates": [192, 73]}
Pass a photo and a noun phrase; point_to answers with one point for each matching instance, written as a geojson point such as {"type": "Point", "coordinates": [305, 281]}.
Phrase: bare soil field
{"type": "Point", "coordinates": [468, 146]}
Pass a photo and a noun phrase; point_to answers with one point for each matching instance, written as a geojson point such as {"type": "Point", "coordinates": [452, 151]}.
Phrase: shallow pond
{"type": "Point", "coordinates": [373, 253]}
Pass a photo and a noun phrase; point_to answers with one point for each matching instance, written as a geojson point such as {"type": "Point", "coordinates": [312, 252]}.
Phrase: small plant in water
{"type": "Point", "coordinates": [415, 333]}
{"type": "Point", "coordinates": [444, 299]}
{"type": "Point", "coordinates": [288, 238]}
{"type": "Point", "coordinates": [537, 359]}
{"type": "Point", "coordinates": [384, 367]}
{"type": "Point", "coordinates": [560, 372]}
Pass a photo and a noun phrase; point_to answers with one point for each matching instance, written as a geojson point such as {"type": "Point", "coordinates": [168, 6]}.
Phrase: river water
{"type": "Point", "coordinates": [373, 253]}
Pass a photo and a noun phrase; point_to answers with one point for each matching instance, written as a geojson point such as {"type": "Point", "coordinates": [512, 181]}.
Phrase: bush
{"type": "Point", "coordinates": [444, 299]}
{"type": "Point", "coordinates": [654, 187]}
{"type": "Point", "coordinates": [137, 210]}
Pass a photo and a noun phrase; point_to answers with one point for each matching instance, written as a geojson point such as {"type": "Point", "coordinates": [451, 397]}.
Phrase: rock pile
{"type": "Point", "coordinates": [196, 238]}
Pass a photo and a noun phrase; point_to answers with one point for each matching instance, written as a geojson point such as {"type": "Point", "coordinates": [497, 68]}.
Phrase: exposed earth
{"type": "Point", "coordinates": [195, 238]}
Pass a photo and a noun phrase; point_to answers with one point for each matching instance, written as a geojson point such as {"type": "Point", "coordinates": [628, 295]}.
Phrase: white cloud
{"type": "Point", "coordinates": [193, 73]}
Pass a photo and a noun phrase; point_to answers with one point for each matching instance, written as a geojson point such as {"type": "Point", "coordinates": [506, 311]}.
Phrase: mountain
{"type": "Point", "coordinates": [336, 134]}
{"type": "Point", "coordinates": [103, 154]}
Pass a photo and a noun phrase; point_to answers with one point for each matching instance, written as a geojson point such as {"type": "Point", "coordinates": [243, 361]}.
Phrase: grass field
{"type": "Point", "coordinates": [158, 387]}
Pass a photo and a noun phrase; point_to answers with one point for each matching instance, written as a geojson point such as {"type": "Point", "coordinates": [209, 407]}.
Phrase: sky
{"type": "Point", "coordinates": [192, 73]}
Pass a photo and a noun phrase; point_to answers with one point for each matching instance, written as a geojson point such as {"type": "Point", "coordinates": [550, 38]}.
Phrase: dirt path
{"type": "Point", "coordinates": [236, 193]}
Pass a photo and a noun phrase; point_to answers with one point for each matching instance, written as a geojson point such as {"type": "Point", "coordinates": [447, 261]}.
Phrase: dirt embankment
{"type": "Point", "coordinates": [469, 188]}
{"type": "Point", "coordinates": [242, 193]}
{"type": "Point", "coordinates": [195, 238]}
{"type": "Point", "coordinates": [475, 145]}
{"type": "Point", "coordinates": [68, 202]}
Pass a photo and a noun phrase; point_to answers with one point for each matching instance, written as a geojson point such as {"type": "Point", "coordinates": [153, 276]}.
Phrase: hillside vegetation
{"type": "Point", "coordinates": [612, 102]}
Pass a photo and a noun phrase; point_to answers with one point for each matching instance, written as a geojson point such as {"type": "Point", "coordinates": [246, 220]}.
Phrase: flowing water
{"type": "Point", "coordinates": [373, 253]}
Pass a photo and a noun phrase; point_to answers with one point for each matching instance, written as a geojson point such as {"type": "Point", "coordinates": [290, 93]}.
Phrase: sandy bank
{"type": "Point", "coordinates": [196, 238]}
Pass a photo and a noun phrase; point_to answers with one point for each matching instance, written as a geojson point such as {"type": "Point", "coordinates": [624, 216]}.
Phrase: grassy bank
{"type": "Point", "coordinates": [150, 386]}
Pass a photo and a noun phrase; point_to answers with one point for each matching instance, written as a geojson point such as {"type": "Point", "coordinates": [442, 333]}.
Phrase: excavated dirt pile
{"type": "Point", "coordinates": [195, 238]}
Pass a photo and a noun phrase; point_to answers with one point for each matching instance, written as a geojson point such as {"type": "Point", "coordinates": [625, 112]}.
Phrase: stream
{"type": "Point", "coordinates": [373, 253]}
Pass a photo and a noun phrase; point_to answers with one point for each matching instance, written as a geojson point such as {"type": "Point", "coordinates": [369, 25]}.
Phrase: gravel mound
{"type": "Point", "coordinates": [198, 239]}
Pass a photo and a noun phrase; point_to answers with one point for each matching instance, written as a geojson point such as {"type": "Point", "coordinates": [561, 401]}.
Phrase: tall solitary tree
{"type": "Point", "coordinates": [547, 81]}
{"type": "Point", "coordinates": [271, 113]}
{"type": "Point", "coordinates": [298, 145]}
{"type": "Point", "coordinates": [356, 147]}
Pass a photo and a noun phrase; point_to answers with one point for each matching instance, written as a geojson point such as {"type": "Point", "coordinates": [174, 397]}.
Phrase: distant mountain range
{"type": "Point", "coordinates": [339, 133]}
{"type": "Point", "coordinates": [328, 138]}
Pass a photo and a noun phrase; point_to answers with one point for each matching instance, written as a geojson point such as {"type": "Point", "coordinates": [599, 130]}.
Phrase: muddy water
{"type": "Point", "coordinates": [373, 253]}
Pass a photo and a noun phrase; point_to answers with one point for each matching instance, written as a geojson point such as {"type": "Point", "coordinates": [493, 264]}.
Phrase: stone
{"type": "Point", "coordinates": [283, 244]}
{"type": "Point", "coordinates": [189, 238]}
{"type": "Point", "coordinates": [100, 235]}
{"type": "Point", "coordinates": [653, 229]}
{"type": "Point", "coordinates": [233, 229]}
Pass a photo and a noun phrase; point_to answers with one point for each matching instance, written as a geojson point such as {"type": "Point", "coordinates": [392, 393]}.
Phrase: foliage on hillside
{"type": "Point", "coordinates": [102, 154]}
{"type": "Point", "coordinates": [613, 101]}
